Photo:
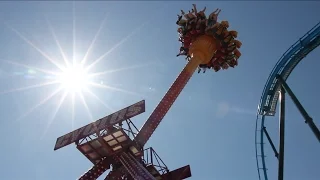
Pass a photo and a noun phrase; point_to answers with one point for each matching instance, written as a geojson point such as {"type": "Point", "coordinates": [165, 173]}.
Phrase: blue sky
{"type": "Point", "coordinates": [210, 126]}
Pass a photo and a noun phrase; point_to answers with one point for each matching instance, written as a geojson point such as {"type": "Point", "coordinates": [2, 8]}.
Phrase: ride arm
{"type": "Point", "coordinates": [163, 107]}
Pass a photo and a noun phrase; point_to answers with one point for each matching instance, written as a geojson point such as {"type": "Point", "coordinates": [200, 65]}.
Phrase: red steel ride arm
{"type": "Point", "coordinates": [163, 107]}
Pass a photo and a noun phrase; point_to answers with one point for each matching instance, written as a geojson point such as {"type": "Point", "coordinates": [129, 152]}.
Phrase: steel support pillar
{"type": "Point", "coordinates": [303, 112]}
{"type": "Point", "coordinates": [134, 168]}
{"type": "Point", "coordinates": [271, 143]}
{"type": "Point", "coordinates": [281, 134]}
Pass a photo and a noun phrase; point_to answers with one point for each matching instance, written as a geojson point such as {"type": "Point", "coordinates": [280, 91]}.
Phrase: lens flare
{"type": "Point", "coordinates": [74, 78]}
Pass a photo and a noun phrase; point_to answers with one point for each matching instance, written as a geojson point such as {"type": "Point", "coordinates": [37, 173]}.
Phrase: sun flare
{"type": "Point", "coordinates": [74, 78]}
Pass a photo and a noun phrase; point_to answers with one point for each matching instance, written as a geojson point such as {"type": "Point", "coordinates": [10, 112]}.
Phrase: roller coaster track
{"type": "Point", "coordinates": [268, 102]}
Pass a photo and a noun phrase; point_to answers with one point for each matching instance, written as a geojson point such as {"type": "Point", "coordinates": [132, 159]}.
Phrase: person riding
{"type": "Point", "coordinates": [233, 57]}
{"type": "Point", "coordinates": [216, 66]}
{"type": "Point", "coordinates": [234, 45]}
{"type": "Point", "coordinates": [181, 31]}
{"type": "Point", "coordinates": [220, 57]}
{"type": "Point", "coordinates": [201, 17]}
{"type": "Point", "coordinates": [221, 60]}
{"type": "Point", "coordinates": [225, 66]}
{"type": "Point", "coordinates": [213, 18]}
{"type": "Point", "coordinates": [189, 16]}
{"type": "Point", "coordinates": [180, 39]}
{"type": "Point", "coordinates": [210, 30]}
{"type": "Point", "coordinates": [219, 54]}
{"type": "Point", "coordinates": [229, 38]}
{"type": "Point", "coordinates": [237, 54]}
{"type": "Point", "coordinates": [181, 22]}
{"type": "Point", "coordinates": [194, 32]}
{"type": "Point", "coordinates": [183, 51]}
{"type": "Point", "coordinates": [204, 67]}
{"type": "Point", "coordinates": [220, 29]}
{"type": "Point", "coordinates": [232, 63]}
{"type": "Point", "coordinates": [199, 14]}
{"type": "Point", "coordinates": [188, 57]}
{"type": "Point", "coordinates": [231, 48]}
{"type": "Point", "coordinates": [229, 56]}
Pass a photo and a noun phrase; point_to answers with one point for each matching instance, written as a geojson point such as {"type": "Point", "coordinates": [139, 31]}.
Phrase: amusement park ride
{"type": "Point", "coordinates": [114, 141]}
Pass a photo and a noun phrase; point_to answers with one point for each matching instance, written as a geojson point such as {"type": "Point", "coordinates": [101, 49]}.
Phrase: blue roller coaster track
{"type": "Point", "coordinates": [268, 102]}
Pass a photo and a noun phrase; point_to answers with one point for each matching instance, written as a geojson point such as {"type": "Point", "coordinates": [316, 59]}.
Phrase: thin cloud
{"type": "Point", "coordinates": [243, 111]}
{"type": "Point", "coordinates": [224, 109]}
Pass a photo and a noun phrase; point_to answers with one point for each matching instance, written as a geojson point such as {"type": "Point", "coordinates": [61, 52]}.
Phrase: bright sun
{"type": "Point", "coordinates": [74, 78]}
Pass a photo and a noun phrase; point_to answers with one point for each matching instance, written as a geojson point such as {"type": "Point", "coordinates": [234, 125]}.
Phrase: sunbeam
{"type": "Point", "coordinates": [29, 87]}
{"type": "Point", "coordinates": [73, 31]}
{"type": "Point", "coordinates": [116, 46]}
{"type": "Point", "coordinates": [39, 104]}
{"type": "Point", "coordinates": [120, 69]}
{"type": "Point", "coordinates": [86, 106]}
{"type": "Point", "coordinates": [113, 88]}
{"type": "Point", "coordinates": [72, 110]}
{"type": "Point", "coordinates": [30, 67]}
{"type": "Point", "coordinates": [54, 114]}
{"type": "Point", "coordinates": [94, 39]}
{"type": "Point", "coordinates": [35, 47]}
{"type": "Point", "coordinates": [97, 98]}
{"type": "Point", "coordinates": [65, 59]}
